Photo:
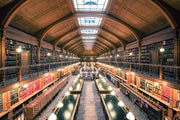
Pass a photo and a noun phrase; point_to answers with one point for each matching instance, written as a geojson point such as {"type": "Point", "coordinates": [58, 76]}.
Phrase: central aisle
{"type": "Point", "coordinates": [90, 105]}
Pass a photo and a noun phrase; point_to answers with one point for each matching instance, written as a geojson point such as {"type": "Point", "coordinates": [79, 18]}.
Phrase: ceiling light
{"type": "Point", "coordinates": [48, 54]}
{"type": "Point", "coordinates": [18, 50]}
{"type": "Point", "coordinates": [162, 49]}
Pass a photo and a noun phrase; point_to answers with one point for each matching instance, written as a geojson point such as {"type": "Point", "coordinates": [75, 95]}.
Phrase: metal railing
{"type": "Point", "coordinates": [13, 74]}
{"type": "Point", "coordinates": [165, 72]}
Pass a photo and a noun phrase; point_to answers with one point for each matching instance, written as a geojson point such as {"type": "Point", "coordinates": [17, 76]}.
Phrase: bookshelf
{"type": "Point", "coordinates": [165, 94]}
{"type": "Point", "coordinates": [10, 60]}
{"type": "Point", "coordinates": [142, 83]}
{"type": "Point", "coordinates": [22, 93]}
{"type": "Point", "coordinates": [36, 85]}
{"type": "Point", "coordinates": [1, 103]}
{"type": "Point", "coordinates": [30, 89]}
{"type": "Point", "coordinates": [14, 96]}
{"type": "Point", "coordinates": [168, 59]}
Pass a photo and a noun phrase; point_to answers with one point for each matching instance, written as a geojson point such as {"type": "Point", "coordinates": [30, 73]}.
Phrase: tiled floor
{"type": "Point", "coordinates": [139, 115]}
{"type": "Point", "coordinates": [48, 110]}
{"type": "Point", "coordinates": [90, 105]}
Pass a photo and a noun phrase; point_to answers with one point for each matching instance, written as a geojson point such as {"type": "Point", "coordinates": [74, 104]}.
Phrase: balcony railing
{"type": "Point", "coordinates": [165, 72]}
{"type": "Point", "coordinates": [10, 75]}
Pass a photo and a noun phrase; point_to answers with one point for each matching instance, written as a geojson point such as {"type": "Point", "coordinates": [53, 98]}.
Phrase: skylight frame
{"type": "Point", "coordinates": [90, 5]}
{"type": "Point", "coordinates": [89, 21]}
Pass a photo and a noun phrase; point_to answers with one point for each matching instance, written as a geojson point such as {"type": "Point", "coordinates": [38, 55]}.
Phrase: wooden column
{"type": "Point", "coordinates": [54, 49]}
{"type": "Point", "coordinates": [139, 57]}
{"type": "Point", "coordinates": [2, 54]}
{"type": "Point", "coordinates": [177, 53]}
{"type": "Point", "coordinates": [39, 55]}
{"type": "Point", "coordinates": [124, 53]}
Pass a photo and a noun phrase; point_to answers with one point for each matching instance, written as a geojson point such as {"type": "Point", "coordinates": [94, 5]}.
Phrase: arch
{"type": "Point", "coordinates": [78, 42]}
{"type": "Point", "coordinates": [122, 41]}
{"type": "Point", "coordinates": [113, 44]}
{"type": "Point", "coordinates": [72, 41]}
{"type": "Point", "coordinates": [98, 50]}
{"type": "Point", "coordinates": [41, 34]}
{"type": "Point", "coordinates": [74, 46]}
{"type": "Point", "coordinates": [66, 43]}
{"type": "Point", "coordinates": [109, 48]}
{"type": "Point", "coordinates": [105, 50]}
{"type": "Point", "coordinates": [107, 41]}
{"type": "Point", "coordinates": [9, 11]}
{"type": "Point", "coordinates": [101, 45]}
{"type": "Point", "coordinates": [56, 41]}
{"type": "Point", "coordinates": [169, 13]}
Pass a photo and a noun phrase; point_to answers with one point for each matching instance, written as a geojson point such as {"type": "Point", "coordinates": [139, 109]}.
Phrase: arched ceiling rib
{"type": "Point", "coordinates": [43, 18]}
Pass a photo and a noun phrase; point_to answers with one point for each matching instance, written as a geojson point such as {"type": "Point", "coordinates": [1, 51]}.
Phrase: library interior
{"type": "Point", "coordinates": [89, 59]}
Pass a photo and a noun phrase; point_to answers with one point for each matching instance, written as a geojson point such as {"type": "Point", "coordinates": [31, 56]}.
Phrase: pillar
{"type": "Point", "coordinates": [177, 54]}
{"type": "Point", "coordinates": [2, 54]}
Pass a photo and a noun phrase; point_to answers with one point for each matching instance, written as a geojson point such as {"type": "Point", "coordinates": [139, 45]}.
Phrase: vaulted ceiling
{"type": "Point", "coordinates": [117, 22]}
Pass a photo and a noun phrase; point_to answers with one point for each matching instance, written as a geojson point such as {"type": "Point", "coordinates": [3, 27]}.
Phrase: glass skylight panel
{"type": "Point", "coordinates": [89, 31]}
{"type": "Point", "coordinates": [88, 37]}
{"type": "Point", "coordinates": [89, 21]}
{"type": "Point", "coordinates": [90, 5]}
{"type": "Point", "coordinates": [88, 40]}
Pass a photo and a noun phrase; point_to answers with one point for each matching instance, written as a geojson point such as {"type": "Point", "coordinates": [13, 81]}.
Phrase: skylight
{"type": "Point", "coordinates": [89, 21]}
{"type": "Point", "coordinates": [88, 37]}
{"type": "Point", "coordinates": [90, 5]}
{"type": "Point", "coordinates": [89, 41]}
{"type": "Point", "coordinates": [89, 31]}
